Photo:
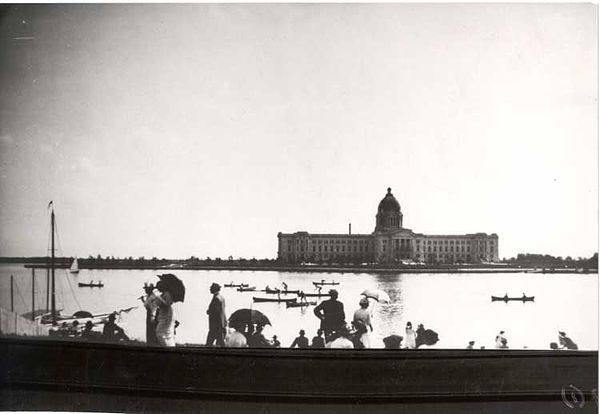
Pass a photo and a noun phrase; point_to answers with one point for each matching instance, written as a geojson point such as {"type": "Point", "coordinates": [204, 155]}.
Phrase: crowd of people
{"type": "Point", "coordinates": [334, 331]}
{"type": "Point", "coordinates": [111, 332]}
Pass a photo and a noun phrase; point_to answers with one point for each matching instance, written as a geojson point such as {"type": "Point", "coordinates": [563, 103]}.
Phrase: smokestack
{"type": "Point", "coordinates": [349, 228]}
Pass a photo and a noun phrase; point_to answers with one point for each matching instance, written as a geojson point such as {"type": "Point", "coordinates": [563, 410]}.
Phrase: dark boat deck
{"type": "Point", "coordinates": [182, 377]}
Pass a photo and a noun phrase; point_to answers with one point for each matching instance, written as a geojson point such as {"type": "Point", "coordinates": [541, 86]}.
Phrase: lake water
{"type": "Point", "coordinates": [457, 306]}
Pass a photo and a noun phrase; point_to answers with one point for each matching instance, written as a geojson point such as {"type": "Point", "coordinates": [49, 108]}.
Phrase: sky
{"type": "Point", "coordinates": [205, 129]}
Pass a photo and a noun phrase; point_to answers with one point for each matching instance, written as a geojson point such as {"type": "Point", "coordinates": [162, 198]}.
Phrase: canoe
{"type": "Point", "coordinates": [282, 292]}
{"type": "Point", "coordinates": [298, 304]}
{"type": "Point", "coordinates": [325, 283]}
{"type": "Point", "coordinates": [246, 289]}
{"type": "Point", "coordinates": [316, 295]}
{"type": "Point", "coordinates": [286, 300]}
{"type": "Point", "coordinates": [99, 284]}
{"type": "Point", "coordinates": [506, 299]}
{"type": "Point", "coordinates": [236, 285]}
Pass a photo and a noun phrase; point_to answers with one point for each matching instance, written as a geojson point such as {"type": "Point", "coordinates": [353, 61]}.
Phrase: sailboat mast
{"type": "Point", "coordinates": [52, 270]}
{"type": "Point", "coordinates": [32, 293]}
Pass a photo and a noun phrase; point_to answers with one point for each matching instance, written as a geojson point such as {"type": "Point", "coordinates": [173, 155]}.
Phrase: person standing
{"type": "Point", "coordinates": [216, 317]}
{"type": "Point", "coordinates": [165, 323]}
{"type": "Point", "coordinates": [362, 323]}
{"type": "Point", "coordinates": [331, 313]}
{"type": "Point", "coordinates": [410, 340]}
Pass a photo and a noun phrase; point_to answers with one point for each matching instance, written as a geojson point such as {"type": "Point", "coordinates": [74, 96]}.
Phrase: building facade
{"type": "Point", "coordinates": [389, 243]}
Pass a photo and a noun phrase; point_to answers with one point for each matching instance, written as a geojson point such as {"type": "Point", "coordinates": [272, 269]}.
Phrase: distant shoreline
{"type": "Point", "coordinates": [329, 269]}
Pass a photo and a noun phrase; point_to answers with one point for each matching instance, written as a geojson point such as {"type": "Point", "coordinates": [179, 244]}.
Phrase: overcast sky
{"type": "Point", "coordinates": [196, 129]}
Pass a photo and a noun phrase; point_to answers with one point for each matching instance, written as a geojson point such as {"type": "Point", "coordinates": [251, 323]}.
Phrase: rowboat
{"type": "Point", "coordinates": [91, 284]}
{"type": "Point", "coordinates": [506, 298]}
{"type": "Point", "coordinates": [282, 292]}
{"type": "Point", "coordinates": [316, 295]}
{"type": "Point", "coordinates": [236, 285]}
{"type": "Point", "coordinates": [285, 300]}
{"type": "Point", "coordinates": [246, 289]}
{"type": "Point", "coordinates": [323, 283]}
{"type": "Point", "coordinates": [298, 304]}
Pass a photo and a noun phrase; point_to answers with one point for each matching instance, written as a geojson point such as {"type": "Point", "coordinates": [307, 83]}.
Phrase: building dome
{"type": "Point", "coordinates": [389, 204]}
{"type": "Point", "coordinates": [389, 216]}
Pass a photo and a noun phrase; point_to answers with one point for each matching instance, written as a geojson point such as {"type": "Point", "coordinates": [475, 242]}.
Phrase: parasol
{"type": "Point", "coordinates": [247, 316]}
{"type": "Point", "coordinates": [378, 295]}
{"type": "Point", "coordinates": [174, 285]}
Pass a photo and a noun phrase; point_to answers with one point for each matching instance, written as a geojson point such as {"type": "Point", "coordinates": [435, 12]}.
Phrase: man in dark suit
{"type": "Point", "coordinates": [331, 313]}
{"type": "Point", "coordinates": [217, 320]}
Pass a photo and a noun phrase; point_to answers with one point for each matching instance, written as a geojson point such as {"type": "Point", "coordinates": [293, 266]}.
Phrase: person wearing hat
{"type": "Point", "coordinates": [113, 332]}
{"type": "Point", "coordinates": [217, 321]}
{"type": "Point", "coordinates": [362, 322]}
{"type": "Point", "coordinates": [471, 345]}
{"type": "Point", "coordinates": [331, 313]}
{"type": "Point", "coordinates": [565, 341]}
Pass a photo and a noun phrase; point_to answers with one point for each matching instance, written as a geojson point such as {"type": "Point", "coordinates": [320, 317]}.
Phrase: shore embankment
{"type": "Point", "coordinates": [330, 269]}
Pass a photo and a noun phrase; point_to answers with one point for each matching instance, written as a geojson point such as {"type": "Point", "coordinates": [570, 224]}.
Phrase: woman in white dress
{"type": "Point", "coordinates": [410, 339]}
{"type": "Point", "coordinates": [362, 322]}
{"type": "Point", "coordinates": [165, 323]}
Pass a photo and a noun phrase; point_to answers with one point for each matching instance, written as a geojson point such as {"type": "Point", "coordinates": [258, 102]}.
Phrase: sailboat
{"type": "Point", "coordinates": [54, 317]}
{"type": "Point", "coordinates": [74, 267]}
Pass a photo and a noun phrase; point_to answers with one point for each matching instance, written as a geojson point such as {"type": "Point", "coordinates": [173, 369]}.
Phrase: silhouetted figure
{"type": "Point", "coordinates": [331, 313]}
{"type": "Point", "coordinates": [258, 340]}
{"type": "Point", "coordinates": [426, 336]}
{"type": "Point", "coordinates": [73, 331]}
{"type": "Point", "coordinates": [318, 341]}
{"type": "Point", "coordinates": [300, 341]}
{"type": "Point", "coordinates": [275, 342]}
{"type": "Point", "coordinates": [113, 332]}
{"type": "Point", "coordinates": [392, 342]}
{"type": "Point", "coordinates": [217, 320]}
{"type": "Point", "coordinates": [554, 346]}
{"type": "Point", "coordinates": [151, 306]}
{"type": "Point", "coordinates": [565, 341]}
{"type": "Point", "coordinates": [471, 345]}
{"type": "Point", "coordinates": [88, 334]}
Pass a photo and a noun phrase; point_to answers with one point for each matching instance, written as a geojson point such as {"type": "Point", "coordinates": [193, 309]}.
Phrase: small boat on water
{"type": "Point", "coordinates": [316, 295]}
{"type": "Point", "coordinates": [91, 284]}
{"type": "Point", "coordinates": [233, 285]}
{"type": "Point", "coordinates": [299, 304]}
{"type": "Point", "coordinates": [74, 267]}
{"type": "Point", "coordinates": [324, 283]}
{"type": "Point", "coordinates": [282, 292]}
{"type": "Point", "coordinates": [505, 298]}
{"type": "Point", "coordinates": [246, 289]}
{"type": "Point", "coordinates": [278, 300]}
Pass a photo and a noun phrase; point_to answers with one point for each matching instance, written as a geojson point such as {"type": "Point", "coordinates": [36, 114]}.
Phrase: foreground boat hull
{"type": "Point", "coordinates": [185, 374]}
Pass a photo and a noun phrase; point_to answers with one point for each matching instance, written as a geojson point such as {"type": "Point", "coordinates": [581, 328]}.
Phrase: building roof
{"type": "Point", "coordinates": [389, 204]}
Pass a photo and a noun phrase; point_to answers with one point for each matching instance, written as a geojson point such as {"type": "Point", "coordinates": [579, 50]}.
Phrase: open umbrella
{"type": "Point", "coordinates": [174, 285]}
{"type": "Point", "coordinates": [246, 316]}
{"type": "Point", "coordinates": [378, 295]}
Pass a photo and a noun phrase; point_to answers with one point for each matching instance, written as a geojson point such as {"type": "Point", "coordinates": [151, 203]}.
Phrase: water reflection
{"type": "Point", "coordinates": [457, 306]}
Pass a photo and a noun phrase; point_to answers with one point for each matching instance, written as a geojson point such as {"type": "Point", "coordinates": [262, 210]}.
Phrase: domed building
{"type": "Point", "coordinates": [389, 243]}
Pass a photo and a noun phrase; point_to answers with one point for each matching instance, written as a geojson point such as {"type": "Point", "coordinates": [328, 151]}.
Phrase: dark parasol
{"type": "Point", "coordinates": [174, 285]}
{"type": "Point", "coordinates": [247, 316]}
